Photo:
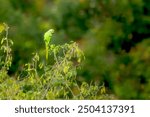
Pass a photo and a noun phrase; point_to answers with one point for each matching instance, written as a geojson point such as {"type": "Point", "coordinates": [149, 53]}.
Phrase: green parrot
{"type": "Point", "coordinates": [47, 39]}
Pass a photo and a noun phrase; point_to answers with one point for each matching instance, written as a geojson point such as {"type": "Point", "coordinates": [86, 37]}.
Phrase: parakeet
{"type": "Point", "coordinates": [47, 39]}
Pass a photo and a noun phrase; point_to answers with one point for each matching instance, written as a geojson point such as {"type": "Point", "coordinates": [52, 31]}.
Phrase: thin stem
{"type": "Point", "coordinates": [7, 46]}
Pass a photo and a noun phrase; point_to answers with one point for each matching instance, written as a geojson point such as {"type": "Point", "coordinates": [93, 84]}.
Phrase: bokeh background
{"type": "Point", "coordinates": [114, 35]}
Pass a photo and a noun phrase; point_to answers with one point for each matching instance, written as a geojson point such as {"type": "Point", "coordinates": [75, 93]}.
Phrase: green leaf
{"type": "Point", "coordinates": [2, 28]}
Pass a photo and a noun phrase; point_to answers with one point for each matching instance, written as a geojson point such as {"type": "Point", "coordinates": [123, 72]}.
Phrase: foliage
{"type": "Point", "coordinates": [46, 80]}
{"type": "Point", "coordinates": [133, 72]}
{"type": "Point", "coordinates": [113, 34]}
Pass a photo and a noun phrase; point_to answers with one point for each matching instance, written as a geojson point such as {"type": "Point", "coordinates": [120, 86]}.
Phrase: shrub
{"type": "Point", "coordinates": [46, 79]}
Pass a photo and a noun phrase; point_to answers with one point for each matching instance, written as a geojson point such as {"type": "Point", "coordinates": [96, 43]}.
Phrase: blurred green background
{"type": "Point", "coordinates": [114, 35]}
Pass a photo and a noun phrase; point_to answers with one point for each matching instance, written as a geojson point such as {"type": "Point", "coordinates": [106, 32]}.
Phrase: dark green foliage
{"type": "Point", "coordinates": [114, 36]}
